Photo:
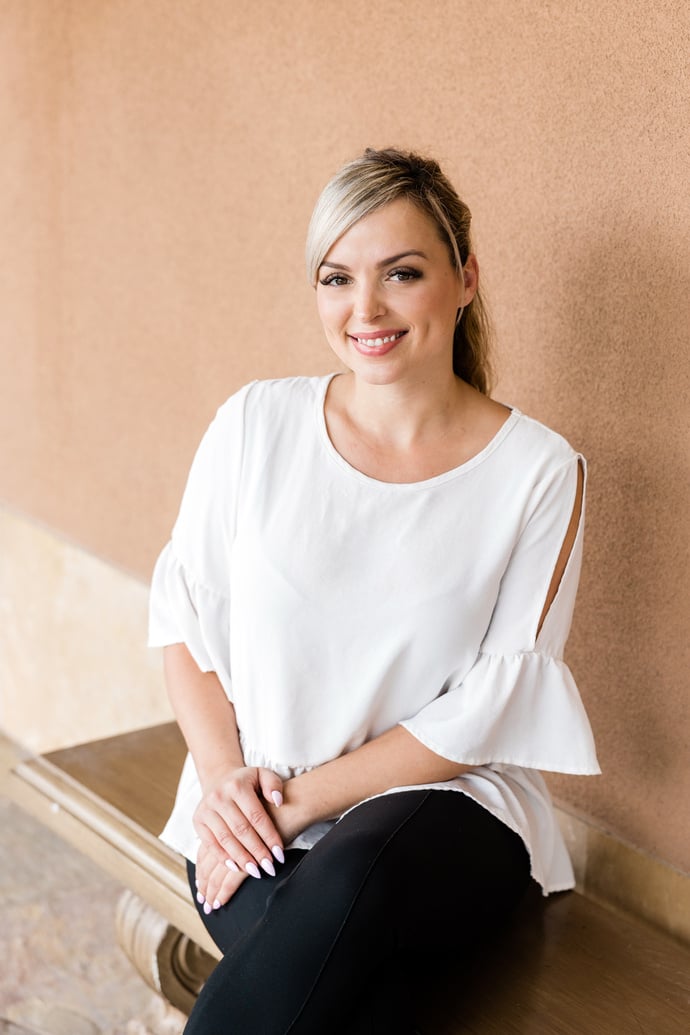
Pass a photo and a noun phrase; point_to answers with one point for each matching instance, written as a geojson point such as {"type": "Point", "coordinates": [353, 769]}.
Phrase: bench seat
{"type": "Point", "coordinates": [565, 966]}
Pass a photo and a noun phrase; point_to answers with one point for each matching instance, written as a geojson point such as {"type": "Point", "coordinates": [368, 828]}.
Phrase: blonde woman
{"type": "Point", "coordinates": [364, 606]}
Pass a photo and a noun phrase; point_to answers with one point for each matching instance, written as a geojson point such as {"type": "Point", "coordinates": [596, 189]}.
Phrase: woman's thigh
{"type": "Point", "coordinates": [247, 906]}
{"type": "Point", "coordinates": [412, 872]}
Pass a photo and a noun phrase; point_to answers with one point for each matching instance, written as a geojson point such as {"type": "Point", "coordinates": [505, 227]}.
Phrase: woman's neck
{"type": "Point", "coordinates": [400, 414]}
{"type": "Point", "coordinates": [396, 434]}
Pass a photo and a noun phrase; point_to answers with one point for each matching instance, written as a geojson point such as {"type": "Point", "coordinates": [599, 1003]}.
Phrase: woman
{"type": "Point", "coordinates": [363, 607]}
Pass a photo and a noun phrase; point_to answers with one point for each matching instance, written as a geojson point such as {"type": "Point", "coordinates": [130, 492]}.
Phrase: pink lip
{"type": "Point", "coordinates": [376, 350]}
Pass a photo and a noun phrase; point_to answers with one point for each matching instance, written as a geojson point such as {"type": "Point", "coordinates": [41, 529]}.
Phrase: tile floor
{"type": "Point", "coordinates": [62, 971]}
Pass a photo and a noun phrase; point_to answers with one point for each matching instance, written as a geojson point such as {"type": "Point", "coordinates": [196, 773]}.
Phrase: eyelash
{"type": "Point", "coordinates": [404, 273]}
{"type": "Point", "coordinates": [332, 280]}
{"type": "Point", "coordinates": [407, 273]}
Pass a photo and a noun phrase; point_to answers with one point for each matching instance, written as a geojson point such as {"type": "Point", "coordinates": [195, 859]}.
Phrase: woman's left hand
{"type": "Point", "coordinates": [216, 882]}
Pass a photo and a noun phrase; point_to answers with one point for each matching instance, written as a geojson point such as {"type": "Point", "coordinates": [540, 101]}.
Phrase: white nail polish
{"type": "Point", "coordinates": [268, 867]}
{"type": "Point", "coordinates": [216, 904]}
{"type": "Point", "coordinates": [253, 870]}
{"type": "Point", "coordinates": [277, 798]}
{"type": "Point", "coordinates": [278, 853]}
{"type": "Point", "coordinates": [232, 865]}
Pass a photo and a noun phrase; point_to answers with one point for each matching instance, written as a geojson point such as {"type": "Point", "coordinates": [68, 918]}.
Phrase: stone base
{"type": "Point", "coordinates": [170, 962]}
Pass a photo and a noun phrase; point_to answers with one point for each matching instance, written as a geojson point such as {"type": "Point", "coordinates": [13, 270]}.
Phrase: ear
{"type": "Point", "coordinates": [470, 278]}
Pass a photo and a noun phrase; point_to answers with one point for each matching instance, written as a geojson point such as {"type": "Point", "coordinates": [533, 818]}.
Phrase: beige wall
{"type": "Point", "coordinates": [159, 164]}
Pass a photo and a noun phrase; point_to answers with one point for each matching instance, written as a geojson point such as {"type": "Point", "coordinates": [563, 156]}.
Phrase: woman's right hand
{"type": "Point", "coordinates": [233, 816]}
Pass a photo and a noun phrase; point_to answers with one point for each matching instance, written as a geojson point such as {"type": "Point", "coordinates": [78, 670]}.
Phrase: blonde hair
{"type": "Point", "coordinates": [374, 180]}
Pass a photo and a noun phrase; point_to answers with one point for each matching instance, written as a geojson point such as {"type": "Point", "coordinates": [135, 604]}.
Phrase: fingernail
{"type": "Point", "coordinates": [200, 898]}
{"type": "Point", "coordinates": [207, 908]}
{"type": "Point", "coordinates": [277, 798]}
{"type": "Point", "coordinates": [268, 867]}
{"type": "Point", "coordinates": [216, 904]}
{"type": "Point", "coordinates": [232, 865]}
{"type": "Point", "coordinates": [253, 870]}
{"type": "Point", "coordinates": [278, 853]}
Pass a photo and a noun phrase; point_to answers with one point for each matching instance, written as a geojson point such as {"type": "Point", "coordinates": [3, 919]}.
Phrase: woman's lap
{"type": "Point", "coordinates": [411, 873]}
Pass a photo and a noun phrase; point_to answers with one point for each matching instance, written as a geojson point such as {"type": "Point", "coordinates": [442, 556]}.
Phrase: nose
{"type": "Point", "coordinates": [368, 302]}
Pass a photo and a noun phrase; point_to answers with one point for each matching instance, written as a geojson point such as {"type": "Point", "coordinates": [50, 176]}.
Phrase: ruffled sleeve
{"type": "Point", "coordinates": [190, 589]}
{"type": "Point", "coordinates": [518, 703]}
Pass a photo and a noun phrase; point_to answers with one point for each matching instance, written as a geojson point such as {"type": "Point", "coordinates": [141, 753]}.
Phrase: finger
{"type": "Point", "coordinates": [222, 886]}
{"type": "Point", "coordinates": [208, 858]}
{"type": "Point", "coordinates": [213, 885]}
{"type": "Point", "coordinates": [234, 835]}
{"type": "Point", "coordinates": [271, 786]}
{"type": "Point", "coordinates": [261, 821]}
{"type": "Point", "coordinates": [248, 822]}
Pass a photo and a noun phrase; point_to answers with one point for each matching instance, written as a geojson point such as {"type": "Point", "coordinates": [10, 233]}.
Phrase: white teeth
{"type": "Point", "coordinates": [373, 343]}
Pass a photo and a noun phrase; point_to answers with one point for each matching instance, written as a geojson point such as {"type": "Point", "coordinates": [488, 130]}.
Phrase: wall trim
{"type": "Point", "coordinates": [615, 873]}
{"type": "Point", "coordinates": [74, 665]}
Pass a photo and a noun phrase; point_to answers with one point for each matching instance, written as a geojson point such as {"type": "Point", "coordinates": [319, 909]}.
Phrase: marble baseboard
{"type": "Point", "coordinates": [619, 875]}
{"type": "Point", "coordinates": [74, 665]}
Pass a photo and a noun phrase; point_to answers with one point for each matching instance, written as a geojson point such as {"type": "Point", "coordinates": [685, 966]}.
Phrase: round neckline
{"type": "Point", "coordinates": [437, 479]}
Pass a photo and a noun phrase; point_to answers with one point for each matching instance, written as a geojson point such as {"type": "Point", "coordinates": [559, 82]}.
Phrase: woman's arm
{"type": "Point", "coordinates": [232, 813]}
{"type": "Point", "coordinates": [239, 820]}
{"type": "Point", "coordinates": [394, 759]}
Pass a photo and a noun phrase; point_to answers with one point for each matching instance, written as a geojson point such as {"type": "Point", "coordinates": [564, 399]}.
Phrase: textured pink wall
{"type": "Point", "coordinates": [159, 166]}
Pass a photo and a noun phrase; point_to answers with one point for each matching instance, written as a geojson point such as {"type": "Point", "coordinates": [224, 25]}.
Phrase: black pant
{"type": "Point", "coordinates": [329, 944]}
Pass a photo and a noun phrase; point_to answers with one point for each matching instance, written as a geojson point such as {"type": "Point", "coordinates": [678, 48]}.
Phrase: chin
{"type": "Point", "coordinates": [375, 374]}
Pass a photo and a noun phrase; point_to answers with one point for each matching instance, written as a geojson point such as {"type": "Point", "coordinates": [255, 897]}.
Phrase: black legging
{"type": "Point", "coordinates": [323, 947]}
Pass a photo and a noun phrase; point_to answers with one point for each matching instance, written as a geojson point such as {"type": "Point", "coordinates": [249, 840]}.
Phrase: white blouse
{"type": "Point", "coordinates": [333, 606]}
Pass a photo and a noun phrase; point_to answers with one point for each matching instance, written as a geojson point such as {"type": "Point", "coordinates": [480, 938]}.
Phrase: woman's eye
{"type": "Point", "coordinates": [333, 280]}
{"type": "Point", "coordinates": [404, 273]}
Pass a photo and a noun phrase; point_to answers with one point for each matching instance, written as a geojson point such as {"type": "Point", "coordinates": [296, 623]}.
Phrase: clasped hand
{"type": "Point", "coordinates": [242, 824]}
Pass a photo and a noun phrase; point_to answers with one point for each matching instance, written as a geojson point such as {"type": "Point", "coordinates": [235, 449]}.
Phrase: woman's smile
{"type": "Point", "coordinates": [376, 343]}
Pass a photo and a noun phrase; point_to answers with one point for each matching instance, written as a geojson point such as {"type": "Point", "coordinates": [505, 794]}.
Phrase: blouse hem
{"type": "Point", "coordinates": [543, 765]}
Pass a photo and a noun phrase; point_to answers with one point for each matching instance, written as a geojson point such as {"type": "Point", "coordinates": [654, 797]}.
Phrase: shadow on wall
{"type": "Point", "coordinates": [625, 307]}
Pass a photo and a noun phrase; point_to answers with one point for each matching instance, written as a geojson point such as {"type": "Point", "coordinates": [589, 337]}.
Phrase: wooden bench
{"type": "Point", "coordinates": [565, 966]}
{"type": "Point", "coordinates": [110, 798]}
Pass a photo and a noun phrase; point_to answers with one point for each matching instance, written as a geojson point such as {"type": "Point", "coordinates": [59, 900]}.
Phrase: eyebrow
{"type": "Point", "coordinates": [384, 262]}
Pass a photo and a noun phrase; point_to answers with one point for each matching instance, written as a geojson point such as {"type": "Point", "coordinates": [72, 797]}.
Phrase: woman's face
{"type": "Point", "coordinates": [388, 296]}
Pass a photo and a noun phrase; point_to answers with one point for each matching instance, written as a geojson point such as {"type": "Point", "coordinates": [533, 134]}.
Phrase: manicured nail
{"type": "Point", "coordinates": [253, 870]}
{"type": "Point", "coordinates": [268, 867]}
{"type": "Point", "coordinates": [278, 853]}
{"type": "Point", "coordinates": [232, 865]}
{"type": "Point", "coordinates": [207, 908]}
{"type": "Point", "coordinates": [200, 898]}
{"type": "Point", "coordinates": [216, 904]}
{"type": "Point", "coordinates": [277, 798]}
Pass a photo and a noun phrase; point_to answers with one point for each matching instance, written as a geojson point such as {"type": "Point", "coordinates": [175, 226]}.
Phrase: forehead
{"type": "Point", "coordinates": [394, 228]}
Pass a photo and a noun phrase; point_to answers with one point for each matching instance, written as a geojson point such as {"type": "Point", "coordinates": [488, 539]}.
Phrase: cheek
{"type": "Point", "coordinates": [446, 301]}
{"type": "Point", "coordinates": [433, 306]}
{"type": "Point", "coordinates": [331, 311]}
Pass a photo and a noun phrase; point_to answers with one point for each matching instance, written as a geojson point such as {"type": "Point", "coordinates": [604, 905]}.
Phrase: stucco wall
{"type": "Point", "coordinates": [160, 161]}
